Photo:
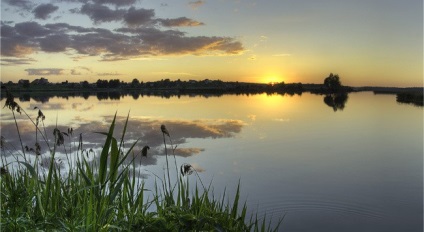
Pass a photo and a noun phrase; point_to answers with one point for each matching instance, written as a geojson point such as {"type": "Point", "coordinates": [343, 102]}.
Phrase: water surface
{"type": "Point", "coordinates": [352, 168]}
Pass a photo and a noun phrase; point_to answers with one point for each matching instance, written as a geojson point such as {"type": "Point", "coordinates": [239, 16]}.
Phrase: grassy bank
{"type": "Point", "coordinates": [107, 195]}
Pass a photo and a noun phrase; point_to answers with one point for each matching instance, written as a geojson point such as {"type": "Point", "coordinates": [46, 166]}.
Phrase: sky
{"type": "Point", "coordinates": [365, 42]}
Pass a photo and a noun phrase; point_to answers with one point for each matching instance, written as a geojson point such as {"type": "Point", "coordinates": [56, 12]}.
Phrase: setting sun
{"type": "Point", "coordinates": [273, 79]}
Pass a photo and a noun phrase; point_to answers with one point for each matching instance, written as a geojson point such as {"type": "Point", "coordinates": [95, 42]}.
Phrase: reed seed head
{"type": "Point", "coordinates": [164, 130]}
{"type": "Point", "coordinates": [58, 136]}
{"type": "Point", "coordinates": [186, 169]}
{"type": "Point", "coordinates": [144, 150]}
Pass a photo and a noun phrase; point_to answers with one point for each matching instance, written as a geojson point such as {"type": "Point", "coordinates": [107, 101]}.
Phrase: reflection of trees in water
{"type": "Point", "coordinates": [337, 101]}
{"type": "Point", "coordinates": [85, 95]}
{"type": "Point", "coordinates": [118, 94]}
{"type": "Point", "coordinates": [108, 95]}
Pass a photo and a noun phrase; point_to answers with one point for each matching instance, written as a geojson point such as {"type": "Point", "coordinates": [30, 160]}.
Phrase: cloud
{"type": "Point", "coordinates": [99, 13]}
{"type": "Point", "coordinates": [44, 71]}
{"type": "Point", "coordinates": [108, 74]}
{"type": "Point", "coordinates": [55, 43]}
{"type": "Point", "coordinates": [124, 43]}
{"type": "Point", "coordinates": [44, 10]}
{"type": "Point", "coordinates": [196, 4]}
{"type": "Point", "coordinates": [118, 3]}
{"type": "Point", "coordinates": [136, 17]}
{"type": "Point", "coordinates": [30, 29]}
{"type": "Point", "coordinates": [24, 4]}
{"type": "Point", "coordinates": [146, 130]}
{"type": "Point", "coordinates": [180, 22]}
{"type": "Point", "coordinates": [77, 70]}
{"type": "Point", "coordinates": [7, 62]}
{"type": "Point", "coordinates": [197, 167]}
{"type": "Point", "coordinates": [115, 2]}
{"type": "Point", "coordinates": [187, 152]}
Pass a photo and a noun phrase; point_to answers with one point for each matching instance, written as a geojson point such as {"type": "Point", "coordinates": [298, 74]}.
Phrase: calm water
{"type": "Point", "coordinates": [356, 169]}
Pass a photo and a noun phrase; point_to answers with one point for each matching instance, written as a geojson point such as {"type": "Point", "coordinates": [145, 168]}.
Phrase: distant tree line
{"type": "Point", "coordinates": [113, 83]}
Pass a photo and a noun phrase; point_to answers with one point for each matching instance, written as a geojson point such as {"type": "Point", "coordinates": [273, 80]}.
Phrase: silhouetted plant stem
{"type": "Point", "coordinates": [167, 165]}
{"type": "Point", "coordinates": [19, 134]}
{"type": "Point", "coordinates": [38, 129]}
{"type": "Point", "coordinates": [175, 159]}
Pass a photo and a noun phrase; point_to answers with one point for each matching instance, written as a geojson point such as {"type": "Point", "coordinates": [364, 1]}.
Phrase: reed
{"type": "Point", "coordinates": [108, 196]}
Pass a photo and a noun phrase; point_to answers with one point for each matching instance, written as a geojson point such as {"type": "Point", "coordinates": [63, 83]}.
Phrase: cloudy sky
{"type": "Point", "coordinates": [378, 42]}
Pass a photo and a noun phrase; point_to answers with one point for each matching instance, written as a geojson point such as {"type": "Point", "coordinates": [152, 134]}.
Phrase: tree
{"type": "Point", "coordinates": [135, 83]}
{"type": "Point", "coordinates": [332, 82]}
{"type": "Point", "coordinates": [85, 84]}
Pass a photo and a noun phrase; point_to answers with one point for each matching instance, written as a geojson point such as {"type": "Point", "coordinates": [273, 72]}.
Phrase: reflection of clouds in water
{"type": "Point", "coordinates": [150, 159]}
{"type": "Point", "coordinates": [50, 106]}
{"type": "Point", "coordinates": [81, 107]}
{"type": "Point", "coordinates": [186, 152]}
{"type": "Point", "coordinates": [252, 117]}
{"type": "Point", "coordinates": [147, 131]}
{"type": "Point", "coordinates": [282, 119]}
{"type": "Point", "coordinates": [197, 167]}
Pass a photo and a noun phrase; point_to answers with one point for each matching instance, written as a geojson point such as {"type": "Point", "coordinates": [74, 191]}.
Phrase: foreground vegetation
{"type": "Point", "coordinates": [106, 195]}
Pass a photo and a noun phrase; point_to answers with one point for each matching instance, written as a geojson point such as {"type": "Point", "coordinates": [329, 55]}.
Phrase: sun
{"type": "Point", "coordinates": [272, 79]}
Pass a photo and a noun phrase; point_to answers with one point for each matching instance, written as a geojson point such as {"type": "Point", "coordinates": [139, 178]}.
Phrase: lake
{"type": "Point", "coordinates": [351, 166]}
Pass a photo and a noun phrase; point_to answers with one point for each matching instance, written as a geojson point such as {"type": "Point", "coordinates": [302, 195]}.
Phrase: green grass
{"type": "Point", "coordinates": [109, 196]}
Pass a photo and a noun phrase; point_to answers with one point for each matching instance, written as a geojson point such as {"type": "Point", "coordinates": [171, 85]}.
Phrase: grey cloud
{"type": "Point", "coordinates": [31, 29]}
{"type": "Point", "coordinates": [24, 4]}
{"type": "Point", "coordinates": [7, 62]}
{"type": "Point", "coordinates": [99, 13]}
{"type": "Point", "coordinates": [115, 2]}
{"type": "Point", "coordinates": [124, 43]}
{"type": "Point", "coordinates": [180, 22]}
{"type": "Point", "coordinates": [196, 4]}
{"type": "Point", "coordinates": [132, 16]}
{"type": "Point", "coordinates": [7, 31]}
{"type": "Point", "coordinates": [13, 43]}
{"type": "Point", "coordinates": [64, 27]}
{"type": "Point", "coordinates": [135, 17]}
{"type": "Point", "coordinates": [55, 43]}
{"type": "Point", "coordinates": [44, 71]}
{"type": "Point", "coordinates": [80, 70]}
{"type": "Point", "coordinates": [75, 72]}
{"type": "Point", "coordinates": [44, 10]}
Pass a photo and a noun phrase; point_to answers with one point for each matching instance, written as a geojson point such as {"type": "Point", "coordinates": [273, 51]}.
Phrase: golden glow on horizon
{"type": "Point", "coordinates": [271, 79]}
{"type": "Point", "coordinates": [271, 104]}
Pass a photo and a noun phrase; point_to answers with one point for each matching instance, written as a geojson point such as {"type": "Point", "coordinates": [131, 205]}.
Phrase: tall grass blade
{"type": "Point", "coordinates": [105, 152]}
{"type": "Point", "coordinates": [30, 168]}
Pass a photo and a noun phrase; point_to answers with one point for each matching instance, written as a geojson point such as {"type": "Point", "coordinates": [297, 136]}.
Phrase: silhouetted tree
{"type": "Point", "coordinates": [332, 82]}
{"type": "Point", "coordinates": [85, 84]}
{"type": "Point", "coordinates": [114, 83]}
{"type": "Point", "coordinates": [102, 83]}
{"type": "Point", "coordinates": [135, 83]}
